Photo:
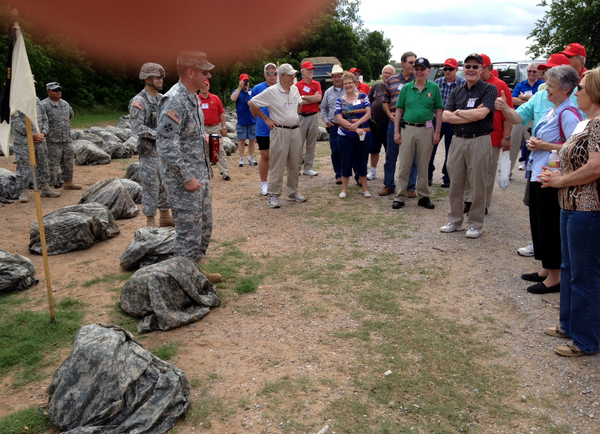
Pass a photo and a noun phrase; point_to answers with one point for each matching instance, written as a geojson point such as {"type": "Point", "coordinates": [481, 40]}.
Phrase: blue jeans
{"type": "Point", "coordinates": [580, 278]}
{"type": "Point", "coordinates": [447, 134]}
{"type": "Point", "coordinates": [355, 154]}
{"type": "Point", "coordinates": [391, 157]}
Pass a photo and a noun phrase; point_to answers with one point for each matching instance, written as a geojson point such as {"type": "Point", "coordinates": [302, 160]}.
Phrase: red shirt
{"type": "Point", "coordinates": [582, 71]}
{"type": "Point", "coordinates": [311, 88]}
{"type": "Point", "coordinates": [499, 118]}
{"type": "Point", "coordinates": [212, 108]}
{"type": "Point", "coordinates": [363, 88]}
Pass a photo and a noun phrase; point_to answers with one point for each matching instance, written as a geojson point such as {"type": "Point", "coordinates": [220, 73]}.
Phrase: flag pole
{"type": "Point", "coordinates": [38, 200]}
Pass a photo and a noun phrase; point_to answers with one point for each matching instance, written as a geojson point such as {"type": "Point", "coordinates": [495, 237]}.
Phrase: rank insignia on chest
{"type": "Point", "coordinates": [429, 95]}
{"type": "Point", "coordinates": [139, 105]}
{"type": "Point", "coordinates": [174, 115]}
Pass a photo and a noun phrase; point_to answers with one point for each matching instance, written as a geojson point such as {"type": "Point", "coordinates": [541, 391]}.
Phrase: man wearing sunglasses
{"type": "Point", "coordinates": [184, 162]}
{"type": "Point", "coordinates": [58, 139]}
{"type": "Point", "coordinates": [470, 109]}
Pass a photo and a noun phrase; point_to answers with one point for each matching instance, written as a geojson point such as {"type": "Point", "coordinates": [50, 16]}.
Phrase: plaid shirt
{"type": "Point", "coordinates": [447, 88]}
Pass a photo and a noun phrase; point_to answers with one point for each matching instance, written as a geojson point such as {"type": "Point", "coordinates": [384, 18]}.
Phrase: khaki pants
{"type": "Point", "coordinates": [222, 163]}
{"type": "Point", "coordinates": [309, 130]}
{"type": "Point", "coordinates": [285, 151]}
{"type": "Point", "coordinates": [419, 140]}
{"type": "Point", "coordinates": [518, 134]}
{"type": "Point", "coordinates": [468, 161]}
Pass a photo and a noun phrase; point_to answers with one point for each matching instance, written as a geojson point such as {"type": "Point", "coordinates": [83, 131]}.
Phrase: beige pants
{"type": "Point", "coordinates": [222, 163]}
{"type": "Point", "coordinates": [419, 140]}
{"type": "Point", "coordinates": [468, 161]}
{"type": "Point", "coordinates": [284, 151]}
{"type": "Point", "coordinates": [309, 130]}
{"type": "Point", "coordinates": [518, 134]}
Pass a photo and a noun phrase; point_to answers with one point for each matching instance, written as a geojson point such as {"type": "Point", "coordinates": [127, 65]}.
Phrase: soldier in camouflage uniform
{"type": "Point", "coordinates": [143, 114]}
{"type": "Point", "coordinates": [21, 149]}
{"type": "Point", "coordinates": [58, 139]}
{"type": "Point", "coordinates": [181, 143]}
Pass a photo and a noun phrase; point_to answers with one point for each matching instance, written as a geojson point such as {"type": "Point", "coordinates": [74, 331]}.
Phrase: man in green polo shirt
{"type": "Point", "coordinates": [414, 131]}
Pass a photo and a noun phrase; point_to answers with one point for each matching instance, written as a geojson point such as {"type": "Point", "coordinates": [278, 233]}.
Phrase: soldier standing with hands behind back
{"type": "Point", "coordinates": [143, 115]}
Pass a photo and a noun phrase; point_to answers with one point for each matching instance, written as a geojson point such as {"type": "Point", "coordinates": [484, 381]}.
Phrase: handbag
{"type": "Point", "coordinates": [504, 165]}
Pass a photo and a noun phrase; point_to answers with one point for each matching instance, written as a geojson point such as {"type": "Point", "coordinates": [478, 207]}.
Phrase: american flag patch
{"type": "Point", "coordinates": [173, 115]}
{"type": "Point", "coordinates": [139, 105]}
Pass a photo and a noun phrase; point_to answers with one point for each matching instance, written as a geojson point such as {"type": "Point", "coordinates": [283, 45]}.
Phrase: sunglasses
{"type": "Point", "coordinates": [448, 69]}
{"type": "Point", "coordinates": [271, 73]}
{"type": "Point", "coordinates": [419, 69]}
{"type": "Point", "coordinates": [471, 66]}
{"type": "Point", "coordinates": [57, 90]}
{"type": "Point", "coordinates": [579, 88]}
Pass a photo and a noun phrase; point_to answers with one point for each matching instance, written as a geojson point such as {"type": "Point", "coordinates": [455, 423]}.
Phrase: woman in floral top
{"type": "Point", "coordinates": [579, 183]}
{"type": "Point", "coordinates": [352, 112]}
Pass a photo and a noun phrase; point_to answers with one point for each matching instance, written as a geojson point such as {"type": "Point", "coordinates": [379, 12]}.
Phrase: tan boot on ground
{"type": "Point", "coordinates": [165, 219]}
{"type": "Point", "coordinates": [23, 196]}
{"type": "Point", "coordinates": [151, 221]}
{"type": "Point", "coordinates": [71, 186]}
{"type": "Point", "coordinates": [47, 191]}
{"type": "Point", "coordinates": [212, 277]}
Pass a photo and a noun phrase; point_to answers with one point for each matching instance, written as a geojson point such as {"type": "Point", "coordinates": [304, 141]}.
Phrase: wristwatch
{"type": "Point", "coordinates": [507, 137]}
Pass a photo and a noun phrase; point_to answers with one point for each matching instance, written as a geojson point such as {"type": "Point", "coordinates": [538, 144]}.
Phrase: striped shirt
{"type": "Point", "coordinates": [353, 111]}
{"type": "Point", "coordinates": [393, 88]}
{"type": "Point", "coordinates": [447, 88]}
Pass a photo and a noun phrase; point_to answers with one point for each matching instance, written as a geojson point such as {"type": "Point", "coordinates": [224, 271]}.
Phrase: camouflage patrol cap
{"type": "Point", "coordinates": [194, 59]}
{"type": "Point", "coordinates": [151, 70]}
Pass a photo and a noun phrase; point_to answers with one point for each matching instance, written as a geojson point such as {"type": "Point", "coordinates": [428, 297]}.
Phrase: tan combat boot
{"type": "Point", "coordinates": [165, 219]}
{"type": "Point", "coordinates": [47, 191]}
{"type": "Point", "coordinates": [151, 221]}
{"type": "Point", "coordinates": [212, 277]}
{"type": "Point", "coordinates": [71, 186]}
{"type": "Point", "coordinates": [23, 196]}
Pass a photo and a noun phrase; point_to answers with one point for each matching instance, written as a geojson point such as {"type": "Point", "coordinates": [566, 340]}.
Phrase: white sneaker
{"type": "Point", "coordinates": [366, 194]}
{"type": "Point", "coordinates": [450, 227]}
{"type": "Point", "coordinates": [252, 161]}
{"type": "Point", "coordinates": [310, 173]}
{"type": "Point", "coordinates": [264, 188]}
{"type": "Point", "coordinates": [241, 163]}
{"type": "Point", "coordinates": [372, 175]}
{"type": "Point", "coordinates": [297, 198]}
{"type": "Point", "coordinates": [522, 166]}
{"type": "Point", "coordinates": [473, 233]}
{"type": "Point", "coordinates": [342, 195]}
{"type": "Point", "coordinates": [273, 202]}
{"type": "Point", "coordinates": [526, 251]}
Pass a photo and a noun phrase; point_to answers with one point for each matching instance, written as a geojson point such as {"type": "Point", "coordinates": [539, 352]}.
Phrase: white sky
{"type": "Point", "coordinates": [438, 29]}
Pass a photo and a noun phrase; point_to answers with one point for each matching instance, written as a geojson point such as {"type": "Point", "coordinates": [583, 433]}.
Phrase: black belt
{"type": "Point", "coordinates": [288, 128]}
{"type": "Point", "coordinates": [212, 125]}
{"type": "Point", "coordinates": [471, 136]}
{"type": "Point", "coordinates": [308, 114]}
{"type": "Point", "coordinates": [414, 125]}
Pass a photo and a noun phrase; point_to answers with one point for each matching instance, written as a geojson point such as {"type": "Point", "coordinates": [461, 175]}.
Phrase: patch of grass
{"type": "Point", "coordinates": [121, 318]}
{"type": "Point", "coordinates": [28, 337]}
{"type": "Point", "coordinates": [86, 262]}
{"type": "Point", "coordinates": [247, 285]}
{"type": "Point", "coordinates": [107, 278]}
{"type": "Point", "coordinates": [166, 351]}
{"type": "Point", "coordinates": [559, 429]}
{"type": "Point", "coordinates": [24, 421]}
{"type": "Point", "coordinates": [86, 120]}
{"type": "Point", "coordinates": [205, 405]}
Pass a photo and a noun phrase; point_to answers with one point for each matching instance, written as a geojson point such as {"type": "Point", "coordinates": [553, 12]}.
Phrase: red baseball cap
{"type": "Point", "coordinates": [244, 77]}
{"type": "Point", "coordinates": [452, 63]}
{"type": "Point", "coordinates": [486, 60]}
{"type": "Point", "coordinates": [574, 50]}
{"type": "Point", "coordinates": [555, 60]}
{"type": "Point", "coordinates": [308, 65]}
{"type": "Point", "coordinates": [353, 70]}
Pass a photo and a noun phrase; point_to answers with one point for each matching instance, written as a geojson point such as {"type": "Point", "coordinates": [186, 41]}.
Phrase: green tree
{"type": "Point", "coordinates": [565, 22]}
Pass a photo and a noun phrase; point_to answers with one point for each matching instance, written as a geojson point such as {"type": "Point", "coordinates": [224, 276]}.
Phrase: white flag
{"type": "Point", "coordinates": [22, 90]}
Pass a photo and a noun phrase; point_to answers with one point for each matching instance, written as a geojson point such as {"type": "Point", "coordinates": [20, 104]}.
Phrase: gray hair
{"type": "Point", "coordinates": [388, 66]}
{"type": "Point", "coordinates": [565, 75]}
{"type": "Point", "coordinates": [534, 65]}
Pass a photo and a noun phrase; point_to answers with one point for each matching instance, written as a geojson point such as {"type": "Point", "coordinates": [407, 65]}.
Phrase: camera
{"type": "Point", "coordinates": [246, 81]}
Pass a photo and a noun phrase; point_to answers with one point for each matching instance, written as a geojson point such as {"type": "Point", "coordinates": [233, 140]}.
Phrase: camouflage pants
{"type": "Point", "coordinates": [60, 156]}
{"type": "Point", "coordinates": [23, 174]}
{"type": "Point", "coordinates": [193, 228]}
{"type": "Point", "coordinates": [153, 192]}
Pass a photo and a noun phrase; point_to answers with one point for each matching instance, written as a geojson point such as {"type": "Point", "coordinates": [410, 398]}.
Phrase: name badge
{"type": "Point", "coordinates": [306, 89]}
{"type": "Point", "coordinates": [429, 124]}
{"type": "Point", "coordinates": [400, 86]}
{"type": "Point", "coordinates": [249, 92]}
{"type": "Point", "coordinates": [528, 92]}
{"type": "Point", "coordinates": [471, 102]}
{"type": "Point", "coordinates": [356, 102]}
{"type": "Point", "coordinates": [204, 106]}
{"type": "Point", "coordinates": [288, 105]}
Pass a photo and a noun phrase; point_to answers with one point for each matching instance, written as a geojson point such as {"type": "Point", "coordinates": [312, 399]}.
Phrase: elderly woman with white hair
{"type": "Point", "coordinates": [549, 134]}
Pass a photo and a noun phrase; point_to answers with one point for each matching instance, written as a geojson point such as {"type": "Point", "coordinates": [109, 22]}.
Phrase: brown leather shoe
{"type": "Point", "coordinates": [386, 191]}
{"type": "Point", "coordinates": [411, 194]}
{"type": "Point", "coordinates": [212, 277]}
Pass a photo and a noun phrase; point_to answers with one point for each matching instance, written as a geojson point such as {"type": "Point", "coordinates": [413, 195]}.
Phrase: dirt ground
{"type": "Point", "coordinates": [481, 279]}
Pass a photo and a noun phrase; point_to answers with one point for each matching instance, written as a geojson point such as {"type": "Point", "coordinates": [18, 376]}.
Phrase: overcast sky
{"type": "Point", "coordinates": [438, 29]}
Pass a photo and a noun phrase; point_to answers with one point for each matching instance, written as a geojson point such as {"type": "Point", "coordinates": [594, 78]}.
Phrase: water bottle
{"type": "Point", "coordinates": [554, 161]}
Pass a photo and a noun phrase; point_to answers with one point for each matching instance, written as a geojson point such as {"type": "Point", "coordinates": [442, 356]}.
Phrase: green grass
{"type": "Point", "coordinates": [24, 421]}
{"type": "Point", "coordinates": [29, 339]}
{"type": "Point", "coordinates": [166, 351]}
{"type": "Point", "coordinates": [107, 278]}
{"type": "Point", "coordinates": [91, 120]}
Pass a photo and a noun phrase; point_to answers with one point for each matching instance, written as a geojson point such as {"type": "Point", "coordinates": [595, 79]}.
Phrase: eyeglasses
{"type": "Point", "coordinates": [411, 63]}
{"type": "Point", "coordinates": [448, 69]}
{"type": "Point", "coordinates": [419, 69]}
{"type": "Point", "coordinates": [579, 88]}
{"type": "Point", "coordinates": [532, 72]}
{"type": "Point", "coordinates": [471, 66]}
{"type": "Point", "coordinates": [271, 73]}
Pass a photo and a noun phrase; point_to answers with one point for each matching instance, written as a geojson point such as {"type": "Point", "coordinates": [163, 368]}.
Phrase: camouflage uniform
{"type": "Point", "coordinates": [182, 151]}
{"type": "Point", "coordinates": [21, 148]}
{"type": "Point", "coordinates": [58, 140]}
{"type": "Point", "coordinates": [143, 116]}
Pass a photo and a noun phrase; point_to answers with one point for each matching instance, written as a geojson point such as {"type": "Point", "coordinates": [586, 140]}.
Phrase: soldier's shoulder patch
{"type": "Point", "coordinates": [174, 115]}
{"type": "Point", "coordinates": [138, 104]}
